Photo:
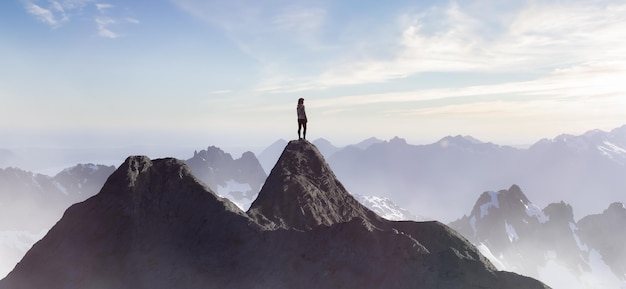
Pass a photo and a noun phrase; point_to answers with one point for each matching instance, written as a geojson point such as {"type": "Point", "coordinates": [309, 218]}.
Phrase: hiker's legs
{"type": "Point", "coordinates": [301, 124]}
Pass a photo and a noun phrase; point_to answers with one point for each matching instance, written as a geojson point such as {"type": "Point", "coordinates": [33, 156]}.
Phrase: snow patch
{"type": "Point", "coordinates": [61, 188]}
{"type": "Point", "coordinates": [534, 211]}
{"type": "Point", "coordinates": [510, 231]}
{"type": "Point", "coordinates": [611, 150]}
{"type": "Point", "coordinates": [484, 208]}
{"type": "Point", "coordinates": [601, 275]}
{"type": "Point", "coordinates": [239, 198]}
{"type": "Point", "coordinates": [580, 244]}
{"type": "Point", "coordinates": [386, 208]}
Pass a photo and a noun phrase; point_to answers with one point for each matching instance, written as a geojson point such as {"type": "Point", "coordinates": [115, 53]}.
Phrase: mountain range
{"type": "Point", "coordinates": [549, 244]}
{"type": "Point", "coordinates": [155, 225]}
{"type": "Point", "coordinates": [237, 179]}
{"type": "Point", "coordinates": [438, 180]}
{"type": "Point", "coordinates": [30, 203]}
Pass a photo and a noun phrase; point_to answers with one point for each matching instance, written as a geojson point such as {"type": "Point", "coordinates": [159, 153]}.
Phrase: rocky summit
{"type": "Point", "coordinates": [154, 225]}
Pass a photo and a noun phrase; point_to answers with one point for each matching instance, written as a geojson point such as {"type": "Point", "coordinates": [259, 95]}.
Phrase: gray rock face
{"type": "Point", "coordinates": [605, 233]}
{"type": "Point", "coordinates": [154, 225]}
{"type": "Point", "coordinates": [302, 192]}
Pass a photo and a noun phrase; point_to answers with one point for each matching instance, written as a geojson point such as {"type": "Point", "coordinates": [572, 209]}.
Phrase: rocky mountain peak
{"type": "Point", "coordinates": [616, 208]}
{"type": "Point", "coordinates": [302, 192]}
{"type": "Point", "coordinates": [559, 212]}
{"type": "Point", "coordinates": [396, 140]}
{"type": "Point", "coordinates": [512, 203]}
{"type": "Point", "coordinates": [154, 225]}
{"type": "Point", "coordinates": [146, 183]}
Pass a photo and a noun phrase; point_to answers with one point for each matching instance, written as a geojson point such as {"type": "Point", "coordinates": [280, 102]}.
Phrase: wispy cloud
{"type": "Point", "coordinates": [534, 36]}
{"type": "Point", "coordinates": [102, 7]}
{"type": "Point", "coordinates": [538, 37]}
{"type": "Point", "coordinates": [54, 13]}
{"type": "Point", "coordinates": [105, 23]}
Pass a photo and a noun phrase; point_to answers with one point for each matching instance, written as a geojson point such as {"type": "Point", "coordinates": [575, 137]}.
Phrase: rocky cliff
{"type": "Point", "coordinates": [154, 225]}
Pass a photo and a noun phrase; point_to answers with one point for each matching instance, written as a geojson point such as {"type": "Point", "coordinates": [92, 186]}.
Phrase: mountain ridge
{"type": "Point", "coordinates": [155, 225]}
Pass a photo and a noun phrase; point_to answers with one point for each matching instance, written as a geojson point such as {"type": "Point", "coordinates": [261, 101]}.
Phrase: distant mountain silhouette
{"type": "Point", "coordinates": [237, 179]}
{"type": "Point", "coordinates": [270, 155]}
{"type": "Point", "coordinates": [436, 179]}
{"type": "Point", "coordinates": [325, 147]}
{"type": "Point", "coordinates": [154, 225]}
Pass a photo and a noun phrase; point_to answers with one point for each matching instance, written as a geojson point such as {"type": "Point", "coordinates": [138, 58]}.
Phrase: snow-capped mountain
{"type": "Point", "coordinates": [548, 244]}
{"type": "Point", "coordinates": [236, 179]}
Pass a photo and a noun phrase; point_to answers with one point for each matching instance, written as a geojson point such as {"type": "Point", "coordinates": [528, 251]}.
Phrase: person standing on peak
{"type": "Point", "coordinates": [301, 118]}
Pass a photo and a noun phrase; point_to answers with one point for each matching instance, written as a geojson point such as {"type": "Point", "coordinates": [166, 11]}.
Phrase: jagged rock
{"type": "Point", "coordinates": [154, 225]}
{"type": "Point", "coordinates": [605, 233]}
{"type": "Point", "coordinates": [237, 179]}
{"type": "Point", "coordinates": [302, 192]}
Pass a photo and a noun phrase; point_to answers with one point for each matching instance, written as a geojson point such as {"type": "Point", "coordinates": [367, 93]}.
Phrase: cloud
{"type": "Point", "coordinates": [106, 23]}
{"type": "Point", "coordinates": [62, 11]}
{"type": "Point", "coordinates": [44, 15]}
{"type": "Point", "coordinates": [451, 40]}
{"type": "Point", "coordinates": [102, 7]}
{"type": "Point", "coordinates": [526, 37]}
{"type": "Point", "coordinates": [53, 12]}
{"type": "Point", "coordinates": [103, 24]}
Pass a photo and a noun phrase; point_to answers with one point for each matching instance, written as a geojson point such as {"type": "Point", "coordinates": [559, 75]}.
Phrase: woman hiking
{"type": "Point", "coordinates": [301, 118]}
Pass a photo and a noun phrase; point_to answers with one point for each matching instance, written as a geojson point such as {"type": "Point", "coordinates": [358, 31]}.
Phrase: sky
{"type": "Point", "coordinates": [85, 73]}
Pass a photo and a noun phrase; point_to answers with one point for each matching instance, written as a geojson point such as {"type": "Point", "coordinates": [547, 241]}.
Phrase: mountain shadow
{"type": "Point", "coordinates": [154, 225]}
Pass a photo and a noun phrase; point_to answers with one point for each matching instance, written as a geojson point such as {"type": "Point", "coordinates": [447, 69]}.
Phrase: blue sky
{"type": "Point", "coordinates": [197, 73]}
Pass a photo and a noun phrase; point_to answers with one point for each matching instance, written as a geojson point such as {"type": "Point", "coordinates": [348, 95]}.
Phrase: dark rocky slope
{"type": "Point", "coordinates": [154, 225]}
